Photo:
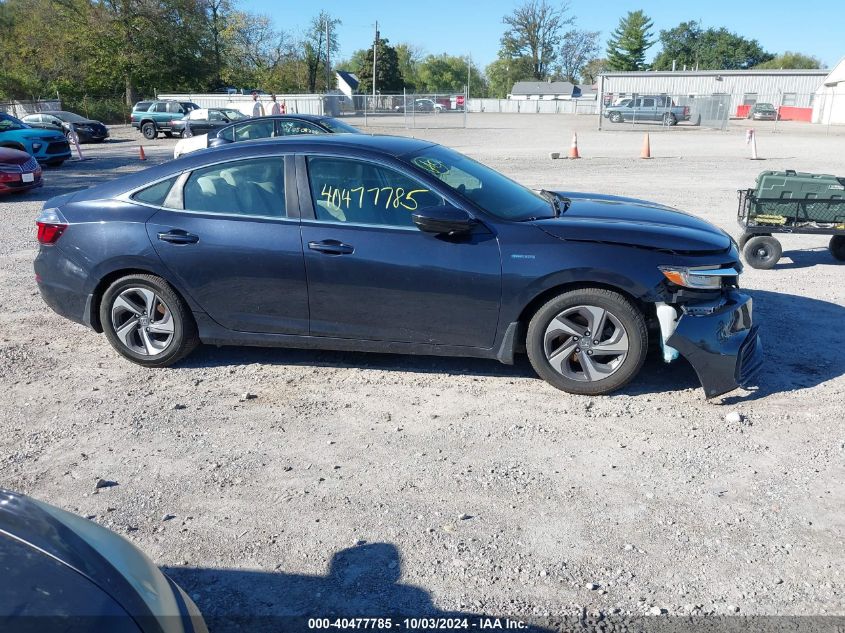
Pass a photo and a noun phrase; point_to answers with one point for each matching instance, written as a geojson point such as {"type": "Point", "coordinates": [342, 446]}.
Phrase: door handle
{"type": "Point", "coordinates": [331, 247]}
{"type": "Point", "coordinates": [176, 236]}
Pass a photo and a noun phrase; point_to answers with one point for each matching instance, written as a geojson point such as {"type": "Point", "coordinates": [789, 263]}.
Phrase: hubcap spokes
{"type": "Point", "coordinates": [142, 321]}
{"type": "Point", "coordinates": [585, 343]}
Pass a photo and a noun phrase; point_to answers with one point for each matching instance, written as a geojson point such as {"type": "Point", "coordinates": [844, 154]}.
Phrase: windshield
{"type": "Point", "coordinates": [765, 106]}
{"type": "Point", "coordinates": [70, 117]}
{"type": "Point", "coordinates": [233, 115]}
{"type": "Point", "coordinates": [339, 126]}
{"type": "Point", "coordinates": [488, 189]}
{"type": "Point", "coordinates": [8, 123]}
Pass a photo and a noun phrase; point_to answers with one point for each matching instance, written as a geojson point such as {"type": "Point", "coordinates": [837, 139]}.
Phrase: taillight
{"type": "Point", "coordinates": [51, 225]}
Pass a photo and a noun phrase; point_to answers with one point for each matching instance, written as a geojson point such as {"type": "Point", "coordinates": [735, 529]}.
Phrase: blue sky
{"type": "Point", "coordinates": [463, 27]}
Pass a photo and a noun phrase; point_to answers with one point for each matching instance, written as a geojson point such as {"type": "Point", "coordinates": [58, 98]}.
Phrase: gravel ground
{"type": "Point", "coordinates": [305, 483]}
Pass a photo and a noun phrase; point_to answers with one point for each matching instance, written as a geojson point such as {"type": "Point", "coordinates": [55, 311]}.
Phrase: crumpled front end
{"type": "Point", "coordinates": [721, 343]}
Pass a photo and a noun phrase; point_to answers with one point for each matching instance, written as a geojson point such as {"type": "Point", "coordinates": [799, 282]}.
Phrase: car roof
{"type": "Point", "coordinates": [383, 145]}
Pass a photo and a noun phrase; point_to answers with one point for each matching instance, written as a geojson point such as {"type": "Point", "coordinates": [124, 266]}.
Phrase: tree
{"type": "Point", "coordinates": [534, 31]}
{"type": "Point", "coordinates": [448, 73]}
{"type": "Point", "coordinates": [503, 73]}
{"type": "Point", "coordinates": [629, 42]}
{"type": "Point", "coordinates": [591, 71]}
{"type": "Point", "coordinates": [410, 57]}
{"type": "Point", "coordinates": [388, 76]}
{"type": "Point", "coordinates": [688, 45]}
{"type": "Point", "coordinates": [577, 48]}
{"type": "Point", "coordinates": [791, 60]}
{"type": "Point", "coordinates": [317, 49]}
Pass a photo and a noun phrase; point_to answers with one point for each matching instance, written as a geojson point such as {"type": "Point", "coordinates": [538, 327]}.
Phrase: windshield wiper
{"type": "Point", "coordinates": [559, 203]}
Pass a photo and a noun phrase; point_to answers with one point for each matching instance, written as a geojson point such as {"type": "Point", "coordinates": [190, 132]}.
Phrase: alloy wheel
{"type": "Point", "coordinates": [586, 343]}
{"type": "Point", "coordinates": [142, 321]}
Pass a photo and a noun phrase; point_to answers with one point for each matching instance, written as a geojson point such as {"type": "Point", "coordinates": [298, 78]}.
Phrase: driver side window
{"type": "Point", "coordinates": [360, 192]}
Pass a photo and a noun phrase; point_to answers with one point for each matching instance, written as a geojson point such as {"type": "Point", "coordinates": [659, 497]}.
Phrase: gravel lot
{"type": "Point", "coordinates": [278, 482]}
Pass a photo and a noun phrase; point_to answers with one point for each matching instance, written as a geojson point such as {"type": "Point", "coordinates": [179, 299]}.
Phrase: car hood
{"type": "Point", "coordinates": [631, 222]}
{"type": "Point", "coordinates": [34, 132]}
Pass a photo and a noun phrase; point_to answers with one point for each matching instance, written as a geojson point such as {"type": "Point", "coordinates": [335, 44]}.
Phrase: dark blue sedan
{"type": "Point", "coordinates": [65, 574]}
{"type": "Point", "coordinates": [391, 244]}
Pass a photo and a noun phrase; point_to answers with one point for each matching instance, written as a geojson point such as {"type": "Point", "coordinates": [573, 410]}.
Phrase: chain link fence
{"type": "Point", "coordinates": [622, 111]}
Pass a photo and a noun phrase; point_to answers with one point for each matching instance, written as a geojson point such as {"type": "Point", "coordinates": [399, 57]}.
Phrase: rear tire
{"type": "Point", "coordinates": [568, 355]}
{"type": "Point", "coordinates": [669, 119]}
{"type": "Point", "coordinates": [149, 131]}
{"type": "Point", "coordinates": [762, 252]}
{"type": "Point", "coordinates": [147, 322]}
{"type": "Point", "coordinates": [837, 247]}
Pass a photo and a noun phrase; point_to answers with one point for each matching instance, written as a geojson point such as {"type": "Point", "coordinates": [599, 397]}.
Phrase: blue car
{"type": "Point", "coordinates": [388, 244]}
{"type": "Point", "coordinates": [48, 147]}
{"type": "Point", "coordinates": [65, 574]}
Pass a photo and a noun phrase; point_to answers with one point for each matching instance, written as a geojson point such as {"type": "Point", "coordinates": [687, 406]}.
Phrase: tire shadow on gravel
{"type": "Point", "coordinates": [803, 343]}
{"type": "Point", "coordinates": [805, 258]}
{"type": "Point", "coordinates": [362, 582]}
{"type": "Point", "coordinates": [211, 356]}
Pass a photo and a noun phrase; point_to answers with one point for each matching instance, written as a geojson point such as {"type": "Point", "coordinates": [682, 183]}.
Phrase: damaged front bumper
{"type": "Point", "coordinates": [723, 346]}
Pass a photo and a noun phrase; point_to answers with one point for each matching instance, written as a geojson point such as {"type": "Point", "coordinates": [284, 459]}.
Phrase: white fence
{"type": "Point", "coordinates": [22, 108]}
{"type": "Point", "coordinates": [532, 106]}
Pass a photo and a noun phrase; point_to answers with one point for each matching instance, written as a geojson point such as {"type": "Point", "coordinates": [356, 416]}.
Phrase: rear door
{"type": "Point", "coordinates": [226, 236]}
{"type": "Point", "coordinates": [372, 274]}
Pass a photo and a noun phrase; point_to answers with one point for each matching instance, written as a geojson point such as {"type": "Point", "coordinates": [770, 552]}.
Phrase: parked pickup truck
{"type": "Point", "coordinates": [648, 109]}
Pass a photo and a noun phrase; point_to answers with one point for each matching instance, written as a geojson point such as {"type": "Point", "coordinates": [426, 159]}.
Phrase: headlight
{"type": "Point", "coordinates": [699, 278]}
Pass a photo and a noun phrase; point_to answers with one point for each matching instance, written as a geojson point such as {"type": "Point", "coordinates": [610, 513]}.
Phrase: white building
{"type": "Point", "coordinates": [829, 102]}
{"type": "Point", "coordinates": [542, 91]}
{"type": "Point", "coordinates": [795, 89]}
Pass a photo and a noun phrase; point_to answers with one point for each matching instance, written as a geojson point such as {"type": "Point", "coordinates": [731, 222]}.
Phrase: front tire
{"type": "Point", "coordinates": [615, 117]}
{"type": "Point", "coordinates": [590, 341]}
{"type": "Point", "coordinates": [762, 252]}
{"type": "Point", "coordinates": [837, 247]}
{"type": "Point", "coordinates": [149, 131]}
{"type": "Point", "coordinates": [147, 322]}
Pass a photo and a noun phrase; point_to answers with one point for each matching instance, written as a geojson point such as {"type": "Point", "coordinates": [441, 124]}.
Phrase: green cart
{"type": "Point", "coordinates": [790, 202]}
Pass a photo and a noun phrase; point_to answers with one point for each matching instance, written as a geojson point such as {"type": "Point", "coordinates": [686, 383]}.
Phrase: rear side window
{"type": "Point", "coordinates": [155, 194]}
{"type": "Point", "coordinates": [142, 106]}
{"type": "Point", "coordinates": [227, 134]}
{"type": "Point", "coordinates": [254, 187]}
{"type": "Point", "coordinates": [257, 129]}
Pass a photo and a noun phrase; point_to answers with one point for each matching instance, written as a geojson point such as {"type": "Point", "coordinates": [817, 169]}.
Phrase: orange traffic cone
{"type": "Point", "coordinates": [573, 151]}
{"type": "Point", "coordinates": [141, 154]}
{"type": "Point", "coordinates": [646, 150]}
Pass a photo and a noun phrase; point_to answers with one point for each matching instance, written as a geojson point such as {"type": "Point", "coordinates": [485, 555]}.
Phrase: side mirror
{"type": "Point", "coordinates": [443, 220]}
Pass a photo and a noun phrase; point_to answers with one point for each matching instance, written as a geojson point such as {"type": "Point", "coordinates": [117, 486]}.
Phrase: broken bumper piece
{"type": "Point", "coordinates": [723, 347]}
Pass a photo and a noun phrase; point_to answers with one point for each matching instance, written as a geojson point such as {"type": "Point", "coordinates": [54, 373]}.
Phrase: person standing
{"type": "Point", "coordinates": [257, 108]}
{"type": "Point", "coordinates": [275, 109]}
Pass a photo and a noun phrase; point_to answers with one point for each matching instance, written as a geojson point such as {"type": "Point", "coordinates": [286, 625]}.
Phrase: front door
{"type": "Point", "coordinates": [233, 248]}
{"type": "Point", "coordinates": [373, 275]}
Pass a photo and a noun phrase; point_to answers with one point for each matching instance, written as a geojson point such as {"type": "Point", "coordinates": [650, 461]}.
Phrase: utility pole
{"type": "Point", "coordinates": [375, 52]}
{"type": "Point", "coordinates": [469, 70]}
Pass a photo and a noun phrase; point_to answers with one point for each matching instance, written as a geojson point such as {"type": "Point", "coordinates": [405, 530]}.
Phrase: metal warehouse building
{"type": "Point", "coordinates": [792, 91]}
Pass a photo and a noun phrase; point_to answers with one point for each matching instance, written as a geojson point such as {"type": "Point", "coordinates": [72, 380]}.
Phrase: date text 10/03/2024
{"type": "Point", "coordinates": [417, 624]}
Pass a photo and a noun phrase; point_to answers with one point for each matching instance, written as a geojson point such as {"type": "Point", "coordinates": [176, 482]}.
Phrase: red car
{"type": "Point", "coordinates": [18, 171]}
